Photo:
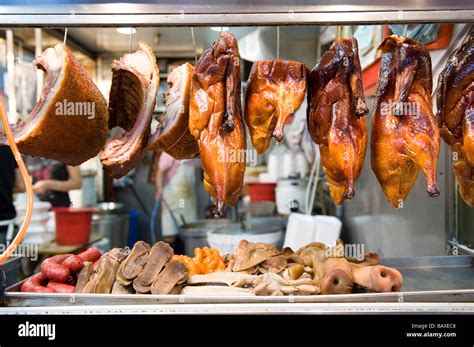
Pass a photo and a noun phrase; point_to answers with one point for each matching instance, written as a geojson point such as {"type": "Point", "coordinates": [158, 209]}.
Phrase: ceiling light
{"type": "Point", "coordinates": [126, 31]}
{"type": "Point", "coordinates": [220, 28]}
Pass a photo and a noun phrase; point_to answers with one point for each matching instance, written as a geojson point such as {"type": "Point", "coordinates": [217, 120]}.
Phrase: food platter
{"type": "Point", "coordinates": [445, 279]}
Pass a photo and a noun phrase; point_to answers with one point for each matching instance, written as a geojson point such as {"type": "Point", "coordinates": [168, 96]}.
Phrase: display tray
{"type": "Point", "coordinates": [445, 279]}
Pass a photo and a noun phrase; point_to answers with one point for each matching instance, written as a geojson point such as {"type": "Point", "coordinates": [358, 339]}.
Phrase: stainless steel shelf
{"type": "Point", "coordinates": [240, 12]}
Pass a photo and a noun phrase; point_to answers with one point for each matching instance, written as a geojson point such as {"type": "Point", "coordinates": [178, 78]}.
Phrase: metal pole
{"type": "Point", "coordinates": [12, 114]}
{"type": "Point", "coordinates": [39, 72]}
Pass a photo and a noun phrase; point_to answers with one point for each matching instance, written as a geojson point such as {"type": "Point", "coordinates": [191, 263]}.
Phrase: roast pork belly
{"type": "Point", "coordinates": [69, 121]}
{"type": "Point", "coordinates": [173, 135]}
{"type": "Point", "coordinates": [336, 117]}
{"type": "Point", "coordinates": [405, 132]}
{"type": "Point", "coordinates": [132, 100]}
{"type": "Point", "coordinates": [275, 90]}
{"type": "Point", "coordinates": [215, 121]}
{"type": "Point", "coordinates": [455, 101]}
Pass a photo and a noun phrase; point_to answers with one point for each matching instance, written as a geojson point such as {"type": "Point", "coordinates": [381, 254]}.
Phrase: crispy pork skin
{"type": "Point", "coordinates": [215, 121]}
{"type": "Point", "coordinates": [455, 101]}
{"type": "Point", "coordinates": [405, 133]}
{"type": "Point", "coordinates": [336, 117]}
{"type": "Point", "coordinates": [132, 100]}
{"type": "Point", "coordinates": [69, 121]}
{"type": "Point", "coordinates": [275, 90]}
{"type": "Point", "coordinates": [173, 135]}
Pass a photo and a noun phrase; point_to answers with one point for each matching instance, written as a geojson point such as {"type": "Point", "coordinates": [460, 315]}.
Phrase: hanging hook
{"type": "Point", "coordinates": [194, 46]}
{"type": "Point", "coordinates": [339, 32]}
{"type": "Point", "coordinates": [130, 41]}
{"type": "Point", "coordinates": [278, 42]}
{"type": "Point", "coordinates": [65, 36]}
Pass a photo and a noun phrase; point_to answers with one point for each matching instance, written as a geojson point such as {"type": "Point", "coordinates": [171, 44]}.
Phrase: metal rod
{"type": "Point", "coordinates": [194, 46]}
{"type": "Point", "coordinates": [339, 32]}
{"type": "Point", "coordinates": [39, 72]}
{"type": "Point", "coordinates": [130, 41]}
{"type": "Point", "coordinates": [12, 113]}
{"type": "Point", "coordinates": [278, 42]}
{"type": "Point", "coordinates": [405, 31]}
{"type": "Point", "coordinates": [65, 36]}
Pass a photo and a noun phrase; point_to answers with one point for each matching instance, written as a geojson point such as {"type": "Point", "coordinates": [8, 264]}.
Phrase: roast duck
{"type": "Point", "coordinates": [455, 101]}
{"type": "Point", "coordinates": [173, 135]}
{"type": "Point", "coordinates": [405, 133]}
{"type": "Point", "coordinates": [336, 116]}
{"type": "Point", "coordinates": [275, 90]}
{"type": "Point", "coordinates": [215, 121]}
{"type": "Point", "coordinates": [69, 121]}
{"type": "Point", "coordinates": [132, 100]}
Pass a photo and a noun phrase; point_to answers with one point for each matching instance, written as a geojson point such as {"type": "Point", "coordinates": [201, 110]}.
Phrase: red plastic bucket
{"type": "Point", "coordinates": [73, 225]}
{"type": "Point", "coordinates": [261, 191]}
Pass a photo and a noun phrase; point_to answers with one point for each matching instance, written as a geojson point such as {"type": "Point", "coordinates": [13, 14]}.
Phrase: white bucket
{"type": "Point", "coordinates": [303, 229]}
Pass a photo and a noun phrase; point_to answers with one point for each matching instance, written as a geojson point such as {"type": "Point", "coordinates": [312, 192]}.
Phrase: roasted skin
{"type": "Point", "coordinates": [405, 133]}
{"type": "Point", "coordinates": [132, 99]}
{"type": "Point", "coordinates": [275, 90]}
{"type": "Point", "coordinates": [215, 121]}
{"type": "Point", "coordinates": [51, 131]}
{"type": "Point", "coordinates": [455, 101]}
{"type": "Point", "coordinates": [336, 116]}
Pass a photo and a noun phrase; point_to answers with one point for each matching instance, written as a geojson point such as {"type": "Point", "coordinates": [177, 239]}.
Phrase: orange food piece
{"type": "Point", "coordinates": [206, 260]}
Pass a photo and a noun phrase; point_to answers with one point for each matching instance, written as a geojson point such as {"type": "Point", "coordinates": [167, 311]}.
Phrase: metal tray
{"type": "Point", "coordinates": [445, 279]}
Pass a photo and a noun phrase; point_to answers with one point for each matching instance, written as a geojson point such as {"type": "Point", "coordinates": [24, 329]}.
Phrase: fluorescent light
{"type": "Point", "coordinates": [126, 31]}
{"type": "Point", "coordinates": [220, 28]}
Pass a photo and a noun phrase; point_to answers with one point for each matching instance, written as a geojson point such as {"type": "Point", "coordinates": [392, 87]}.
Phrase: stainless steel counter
{"type": "Point", "coordinates": [431, 284]}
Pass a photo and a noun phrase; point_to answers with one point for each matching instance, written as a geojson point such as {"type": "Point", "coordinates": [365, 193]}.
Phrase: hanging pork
{"type": "Point", "coordinates": [455, 101]}
{"type": "Point", "coordinates": [275, 90]}
{"type": "Point", "coordinates": [215, 121]}
{"type": "Point", "coordinates": [69, 121]}
{"type": "Point", "coordinates": [405, 132]}
{"type": "Point", "coordinates": [336, 117]}
{"type": "Point", "coordinates": [132, 100]}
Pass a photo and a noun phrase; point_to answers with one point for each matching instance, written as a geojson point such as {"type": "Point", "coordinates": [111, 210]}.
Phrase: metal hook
{"type": "Point", "coordinates": [405, 32]}
{"type": "Point", "coordinates": [339, 32]}
{"type": "Point", "coordinates": [65, 36]}
{"type": "Point", "coordinates": [130, 41]}
{"type": "Point", "coordinates": [278, 42]}
{"type": "Point", "coordinates": [194, 46]}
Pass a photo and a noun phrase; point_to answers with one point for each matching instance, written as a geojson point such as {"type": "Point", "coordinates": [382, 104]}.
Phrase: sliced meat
{"type": "Point", "coordinates": [132, 100]}
{"type": "Point", "coordinates": [248, 255]}
{"type": "Point", "coordinates": [228, 278]}
{"type": "Point", "coordinates": [216, 291]}
{"type": "Point", "coordinates": [118, 288]}
{"type": "Point", "coordinates": [173, 274]}
{"type": "Point", "coordinates": [336, 117]}
{"type": "Point", "coordinates": [103, 279]}
{"type": "Point", "coordinates": [136, 260]}
{"type": "Point", "coordinates": [215, 121]}
{"type": "Point", "coordinates": [275, 90]}
{"type": "Point", "coordinates": [275, 264]}
{"type": "Point", "coordinates": [405, 133]}
{"type": "Point", "coordinates": [84, 276]}
{"type": "Point", "coordinates": [160, 254]}
{"type": "Point", "coordinates": [173, 135]}
{"type": "Point", "coordinates": [69, 121]}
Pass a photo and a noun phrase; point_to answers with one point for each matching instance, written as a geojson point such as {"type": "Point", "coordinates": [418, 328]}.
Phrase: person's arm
{"type": "Point", "coordinates": [19, 184]}
{"type": "Point", "coordinates": [159, 184]}
{"type": "Point", "coordinates": [73, 182]}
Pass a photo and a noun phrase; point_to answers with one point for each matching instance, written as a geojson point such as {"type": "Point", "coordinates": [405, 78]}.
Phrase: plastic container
{"type": "Point", "coordinates": [73, 225]}
{"type": "Point", "coordinates": [261, 191]}
{"type": "Point", "coordinates": [303, 229]}
{"type": "Point", "coordinates": [194, 234]}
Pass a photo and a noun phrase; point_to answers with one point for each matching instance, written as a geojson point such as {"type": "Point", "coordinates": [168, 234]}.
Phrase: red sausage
{"type": "Point", "coordinates": [75, 263]}
{"type": "Point", "coordinates": [92, 254]}
{"type": "Point", "coordinates": [60, 287]}
{"type": "Point", "coordinates": [35, 285]}
{"type": "Point", "coordinates": [53, 269]}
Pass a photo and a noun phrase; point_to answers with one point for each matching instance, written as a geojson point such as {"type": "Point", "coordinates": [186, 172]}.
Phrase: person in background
{"type": "Point", "coordinates": [11, 182]}
{"type": "Point", "coordinates": [53, 180]}
{"type": "Point", "coordinates": [175, 184]}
